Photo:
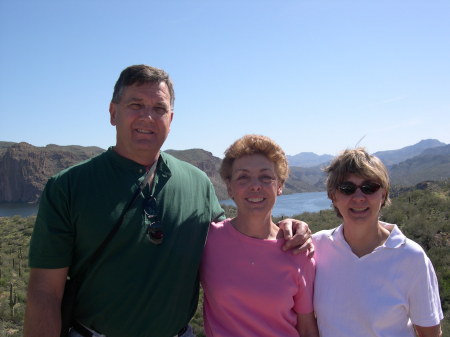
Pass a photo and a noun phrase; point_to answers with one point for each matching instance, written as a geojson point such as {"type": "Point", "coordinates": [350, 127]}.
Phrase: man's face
{"type": "Point", "coordinates": [142, 119]}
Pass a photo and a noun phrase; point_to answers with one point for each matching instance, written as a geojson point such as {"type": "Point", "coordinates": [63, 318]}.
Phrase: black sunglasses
{"type": "Point", "coordinates": [155, 233]}
{"type": "Point", "coordinates": [367, 187]}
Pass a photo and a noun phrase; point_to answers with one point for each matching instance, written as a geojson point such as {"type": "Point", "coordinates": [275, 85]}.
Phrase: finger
{"type": "Point", "coordinates": [286, 227]}
{"type": "Point", "coordinates": [307, 247]}
{"type": "Point", "coordinates": [290, 244]}
{"type": "Point", "coordinates": [311, 251]}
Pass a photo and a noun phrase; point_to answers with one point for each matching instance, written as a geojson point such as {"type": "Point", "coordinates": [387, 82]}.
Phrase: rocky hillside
{"type": "Point", "coordinates": [24, 168]}
{"type": "Point", "coordinates": [308, 159]}
{"type": "Point", "coordinates": [431, 164]}
{"type": "Point", "coordinates": [206, 162]}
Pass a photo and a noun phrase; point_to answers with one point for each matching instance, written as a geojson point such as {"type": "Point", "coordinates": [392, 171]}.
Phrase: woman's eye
{"type": "Point", "coordinates": [267, 179]}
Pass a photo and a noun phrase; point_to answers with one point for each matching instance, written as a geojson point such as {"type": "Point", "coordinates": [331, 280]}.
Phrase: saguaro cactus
{"type": "Point", "coordinates": [12, 299]}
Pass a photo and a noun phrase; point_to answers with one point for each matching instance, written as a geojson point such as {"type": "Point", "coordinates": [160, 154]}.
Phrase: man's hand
{"type": "Point", "coordinates": [297, 235]}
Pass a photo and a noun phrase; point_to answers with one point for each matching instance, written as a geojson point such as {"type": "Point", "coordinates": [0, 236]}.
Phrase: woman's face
{"type": "Point", "coordinates": [359, 207]}
{"type": "Point", "coordinates": [254, 184]}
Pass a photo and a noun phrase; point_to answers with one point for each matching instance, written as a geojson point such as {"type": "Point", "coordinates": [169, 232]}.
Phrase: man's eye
{"type": "Point", "coordinates": [242, 178]}
{"type": "Point", "coordinates": [160, 110]}
{"type": "Point", "coordinates": [135, 106]}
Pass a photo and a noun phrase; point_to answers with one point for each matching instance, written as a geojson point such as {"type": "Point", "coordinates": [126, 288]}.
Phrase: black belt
{"type": "Point", "coordinates": [86, 333]}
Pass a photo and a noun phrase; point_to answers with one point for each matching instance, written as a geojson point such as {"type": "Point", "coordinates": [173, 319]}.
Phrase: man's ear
{"type": "Point", "coordinates": [112, 113]}
{"type": "Point", "coordinates": [171, 119]}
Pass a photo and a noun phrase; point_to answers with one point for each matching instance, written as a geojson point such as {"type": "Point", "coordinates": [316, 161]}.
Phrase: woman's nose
{"type": "Point", "coordinates": [358, 194]}
{"type": "Point", "coordinates": [255, 185]}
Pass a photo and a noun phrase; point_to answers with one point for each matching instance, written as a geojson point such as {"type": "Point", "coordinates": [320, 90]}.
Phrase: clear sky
{"type": "Point", "coordinates": [315, 75]}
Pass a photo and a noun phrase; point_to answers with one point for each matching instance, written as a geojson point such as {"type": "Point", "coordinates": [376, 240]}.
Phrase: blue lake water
{"type": "Point", "coordinates": [288, 205]}
{"type": "Point", "coordinates": [23, 210]}
{"type": "Point", "coordinates": [292, 204]}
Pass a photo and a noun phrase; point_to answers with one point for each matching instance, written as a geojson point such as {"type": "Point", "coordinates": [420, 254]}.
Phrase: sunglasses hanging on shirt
{"type": "Point", "coordinates": [154, 229]}
{"type": "Point", "coordinates": [154, 233]}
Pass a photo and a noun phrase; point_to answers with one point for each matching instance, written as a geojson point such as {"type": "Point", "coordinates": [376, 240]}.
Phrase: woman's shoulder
{"type": "Point", "coordinates": [325, 234]}
{"type": "Point", "coordinates": [398, 240]}
{"type": "Point", "coordinates": [414, 251]}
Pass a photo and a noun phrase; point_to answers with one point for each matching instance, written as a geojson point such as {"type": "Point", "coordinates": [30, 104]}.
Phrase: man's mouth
{"type": "Point", "coordinates": [148, 132]}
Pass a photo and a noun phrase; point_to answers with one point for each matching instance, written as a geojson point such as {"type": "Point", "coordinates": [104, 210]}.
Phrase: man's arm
{"type": "Point", "coordinates": [428, 331]}
{"type": "Point", "coordinates": [307, 325]}
{"type": "Point", "coordinates": [297, 235]}
{"type": "Point", "coordinates": [43, 312]}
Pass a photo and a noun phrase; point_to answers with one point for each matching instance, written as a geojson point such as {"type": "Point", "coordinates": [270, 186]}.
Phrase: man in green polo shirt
{"type": "Point", "coordinates": [145, 283]}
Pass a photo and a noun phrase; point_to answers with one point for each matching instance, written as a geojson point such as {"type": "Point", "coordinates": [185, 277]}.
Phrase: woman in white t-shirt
{"type": "Point", "coordinates": [370, 279]}
{"type": "Point", "coordinates": [251, 286]}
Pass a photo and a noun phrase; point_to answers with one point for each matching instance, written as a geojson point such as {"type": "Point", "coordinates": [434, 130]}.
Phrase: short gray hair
{"type": "Point", "coordinates": [140, 74]}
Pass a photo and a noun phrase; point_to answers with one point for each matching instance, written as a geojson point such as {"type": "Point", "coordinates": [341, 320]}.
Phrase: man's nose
{"type": "Point", "coordinates": [147, 112]}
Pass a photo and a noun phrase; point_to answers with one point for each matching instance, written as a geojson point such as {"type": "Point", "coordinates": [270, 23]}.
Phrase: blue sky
{"type": "Point", "coordinates": [316, 76]}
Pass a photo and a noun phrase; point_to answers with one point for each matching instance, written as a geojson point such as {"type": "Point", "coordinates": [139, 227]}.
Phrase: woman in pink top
{"type": "Point", "coordinates": [252, 287]}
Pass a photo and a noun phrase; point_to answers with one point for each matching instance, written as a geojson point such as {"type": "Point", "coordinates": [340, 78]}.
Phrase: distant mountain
{"type": "Point", "coordinates": [206, 162]}
{"type": "Point", "coordinates": [308, 159]}
{"type": "Point", "coordinates": [392, 157]}
{"type": "Point", "coordinates": [305, 179]}
{"type": "Point", "coordinates": [431, 164]}
{"type": "Point", "coordinates": [300, 179]}
{"type": "Point", "coordinates": [4, 145]}
{"type": "Point", "coordinates": [24, 168]}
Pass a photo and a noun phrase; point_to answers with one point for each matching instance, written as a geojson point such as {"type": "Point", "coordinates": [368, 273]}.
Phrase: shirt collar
{"type": "Point", "coordinates": [395, 240]}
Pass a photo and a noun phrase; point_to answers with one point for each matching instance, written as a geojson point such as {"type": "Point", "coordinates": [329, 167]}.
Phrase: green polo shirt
{"type": "Point", "coordinates": [135, 288]}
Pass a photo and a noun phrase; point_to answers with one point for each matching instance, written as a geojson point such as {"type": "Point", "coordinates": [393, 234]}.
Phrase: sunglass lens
{"type": "Point", "coordinates": [370, 188]}
{"type": "Point", "coordinates": [155, 233]}
{"type": "Point", "coordinates": [347, 188]}
{"type": "Point", "coordinates": [150, 207]}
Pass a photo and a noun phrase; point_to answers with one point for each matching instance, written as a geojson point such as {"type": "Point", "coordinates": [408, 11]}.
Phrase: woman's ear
{"type": "Point", "coordinates": [384, 198]}
{"type": "Point", "coordinates": [229, 189]}
{"type": "Point", "coordinates": [280, 189]}
{"type": "Point", "coordinates": [332, 197]}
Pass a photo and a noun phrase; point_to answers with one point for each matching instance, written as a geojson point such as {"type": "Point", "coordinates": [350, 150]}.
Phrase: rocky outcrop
{"type": "Point", "coordinates": [24, 168]}
{"type": "Point", "coordinates": [206, 162]}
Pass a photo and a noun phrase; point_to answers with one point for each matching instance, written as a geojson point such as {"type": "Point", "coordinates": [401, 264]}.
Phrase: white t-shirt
{"type": "Point", "coordinates": [380, 294]}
